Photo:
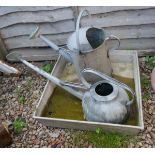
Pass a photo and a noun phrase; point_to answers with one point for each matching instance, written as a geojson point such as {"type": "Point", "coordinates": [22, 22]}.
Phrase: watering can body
{"type": "Point", "coordinates": [109, 108]}
{"type": "Point", "coordinates": [93, 49]}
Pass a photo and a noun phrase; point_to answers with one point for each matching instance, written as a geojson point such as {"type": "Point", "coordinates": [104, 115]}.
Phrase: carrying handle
{"type": "Point", "coordinates": [114, 81]}
{"type": "Point", "coordinates": [75, 54]}
{"type": "Point", "coordinates": [78, 26]}
{"type": "Point", "coordinates": [113, 37]}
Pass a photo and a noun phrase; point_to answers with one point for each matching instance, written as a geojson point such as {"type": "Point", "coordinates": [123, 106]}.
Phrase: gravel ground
{"type": "Point", "coordinates": [35, 134]}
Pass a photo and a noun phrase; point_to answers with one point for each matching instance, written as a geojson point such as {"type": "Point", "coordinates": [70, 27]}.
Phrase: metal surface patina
{"type": "Point", "coordinates": [103, 101]}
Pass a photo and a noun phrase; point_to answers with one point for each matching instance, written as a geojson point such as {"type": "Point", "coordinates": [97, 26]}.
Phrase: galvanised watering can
{"type": "Point", "coordinates": [87, 44]}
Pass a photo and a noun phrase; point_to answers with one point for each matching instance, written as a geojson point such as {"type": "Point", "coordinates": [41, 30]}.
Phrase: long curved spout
{"type": "Point", "coordinates": [65, 53]}
{"type": "Point", "coordinates": [53, 79]}
{"type": "Point", "coordinates": [74, 89]}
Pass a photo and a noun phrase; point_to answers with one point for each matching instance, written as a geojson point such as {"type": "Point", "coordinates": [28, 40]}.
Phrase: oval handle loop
{"type": "Point", "coordinates": [113, 37]}
{"type": "Point", "coordinates": [75, 55]}
{"type": "Point", "coordinates": [114, 81]}
{"type": "Point", "coordinates": [78, 26]}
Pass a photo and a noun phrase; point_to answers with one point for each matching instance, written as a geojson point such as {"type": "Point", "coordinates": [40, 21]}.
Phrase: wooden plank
{"type": "Point", "coordinates": [125, 32]}
{"type": "Point", "coordinates": [148, 52]}
{"type": "Point", "coordinates": [134, 44]}
{"type": "Point", "coordinates": [11, 9]}
{"type": "Point", "coordinates": [50, 86]}
{"type": "Point", "coordinates": [3, 50]}
{"type": "Point", "coordinates": [34, 54]}
{"type": "Point", "coordinates": [24, 41]}
{"type": "Point", "coordinates": [45, 28]}
{"type": "Point", "coordinates": [36, 17]}
{"type": "Point", "coordinates": [37, 54]}
{"type": "Point", "coordinates": [107, 9]}
{"type": "Point", "coordinates": [59, 39]}
{"type": "Point", "coordinates": [121, 18]}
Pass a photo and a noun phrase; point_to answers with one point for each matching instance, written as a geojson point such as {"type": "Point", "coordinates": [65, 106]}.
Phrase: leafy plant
{"type": "Point", "coordinates": [146, 97]}
{"type": "Point", "coordinates": [29, 83]}
{"type": "Point", "coordinates": [150, 62]}
{"type": "Point", "coordinates": [98, 130]}
{"type": "Point", "coordinates": [146, 88]}
{"type": "Point", "coordinates": [21, 99]}
{"type": "Point", "coordinates": [47, 68]}
{"type": "Point", "coordinates": [145, 82]}
{"type": "Point", "coordinates": [101, 139]}
{"type": "Point", "coordinates": [18, 91]}
{"type": "Point", "coordinates": [108, 140]}
{"type": "Point", "coordinates": [19, 124]}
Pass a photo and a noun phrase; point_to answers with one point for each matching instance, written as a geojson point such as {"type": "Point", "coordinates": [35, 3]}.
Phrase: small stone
{"type": "Point", "coordinates": [13, 99]}
{"type": "Point", "coordinates": [140, 144]}
{"type": "Point", "coordinates": [150, 141]}
{"type": "Point", "coordinates": [30, 133]}
{"type": "Point", "coordinates": [54, 135]}
{"type": "Point", "coordinates": [153, 121]}
{"type": "Point", "coordinates": [41, 133]}
{"type": "Point", "coordinates": [149, 129]}
{"type": "Point", "coordinates": [148, 135]}
{"type": "Point", "coordinates": [24, 129]}
{"type": "Point", "coordinates": [152, 135]}
{"type": "Point", "coordinates": [33, 137]}
{"type": "Point", "coordinates": [36, 146]}
{"type": "Point", "coordinates": [68, 137]}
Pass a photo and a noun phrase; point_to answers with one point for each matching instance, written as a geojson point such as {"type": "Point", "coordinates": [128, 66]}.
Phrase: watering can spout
{"type": "Point", "coordinates": [64, 52]}
{"type": "Point", "coordinates": [74, 89]}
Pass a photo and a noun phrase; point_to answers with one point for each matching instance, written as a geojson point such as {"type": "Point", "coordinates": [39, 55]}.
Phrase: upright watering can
{"type": "Point", "coordinates": [89, 43]}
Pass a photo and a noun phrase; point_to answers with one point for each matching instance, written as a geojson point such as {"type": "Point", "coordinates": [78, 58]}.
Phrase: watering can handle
{"type": "Point", "coordinates": [113, 37]}
{"type": "Point", "coordinates": [78, 26]}
{"type": "Point", "coordinates": [75, 55]}
{"type": "Point", "coordinates": [114, 81]}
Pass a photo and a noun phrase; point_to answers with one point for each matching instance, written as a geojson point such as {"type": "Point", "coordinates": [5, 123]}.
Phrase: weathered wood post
{"type": "Point", "coordinates": [3, 50]}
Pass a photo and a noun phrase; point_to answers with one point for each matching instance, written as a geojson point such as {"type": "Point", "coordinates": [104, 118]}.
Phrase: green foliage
{"type": "Point", "coordinates": [18, 91]}
{"type": "Point", "coordinates": [19, 124]}
{"type": "Point", "coordinates": [150, 62]}
{"type": "Point", "coordinates": [146, 88]}
{"type": "Point", "coordinates": [145, 82]}
{"type": "Point", "coordinates": [21, 98]}
{"type": "Point", "coordinates": [108, 140]}
{"type": "Point", "coordinates": [101, 139]}
{"type": "Point", "coordinates": [47, 68]}
{"type": "Point", "coordinates": [146, 97]}
{"type": "Point", "coordinates": [98, 130]}
{"type": "Point", "coordinates": [29, 83]}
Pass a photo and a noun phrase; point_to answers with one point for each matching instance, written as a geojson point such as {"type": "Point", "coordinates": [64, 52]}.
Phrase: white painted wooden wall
{"type": "Point", "coordinates": [135, 26]}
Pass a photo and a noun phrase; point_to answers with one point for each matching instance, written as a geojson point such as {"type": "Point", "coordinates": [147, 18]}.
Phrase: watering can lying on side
{"type": "Point", "coordinates": [103, 101]}
{"type": "Point", "coordinates": [89, 42]}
